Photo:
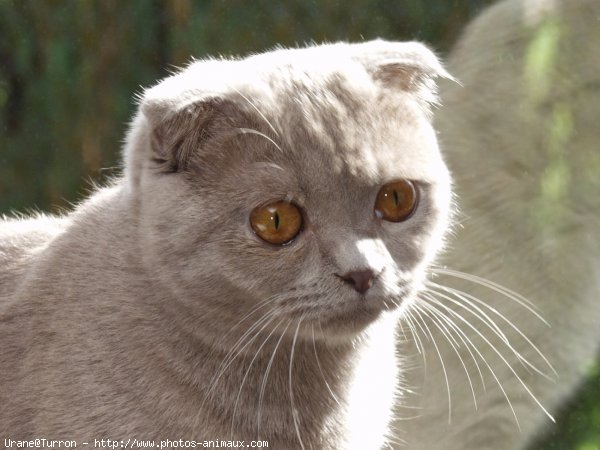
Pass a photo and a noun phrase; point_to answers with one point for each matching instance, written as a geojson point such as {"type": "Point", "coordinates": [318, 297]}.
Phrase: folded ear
{"type": "Point", "coordinates": [407, 66]}
{"type": "Point", "coordinates": [179, 130]}
{"type": "Point", "coordinates": [168, 131]}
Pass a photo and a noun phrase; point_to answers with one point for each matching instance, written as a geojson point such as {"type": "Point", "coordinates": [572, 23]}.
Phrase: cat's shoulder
{"type": "Point", "coordinates": [22, 235]}
{"type": "Point", "coordinates": [21, 240]}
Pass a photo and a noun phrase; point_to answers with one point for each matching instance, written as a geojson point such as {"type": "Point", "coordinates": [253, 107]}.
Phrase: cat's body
{"type": "Point", "coordinates": [154, 311]}
{"type": "Point", "coordinates": [521, 138]}
{"type": "Point", "coordinates": [94, 355]}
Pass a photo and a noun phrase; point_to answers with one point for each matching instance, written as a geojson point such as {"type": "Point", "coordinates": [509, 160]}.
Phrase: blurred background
{"type": "Point", "coordinates": [69, 71]}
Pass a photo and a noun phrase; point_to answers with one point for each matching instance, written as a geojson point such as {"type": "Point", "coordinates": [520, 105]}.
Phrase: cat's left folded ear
{"type": "Point", "coordinates": [184, 112]}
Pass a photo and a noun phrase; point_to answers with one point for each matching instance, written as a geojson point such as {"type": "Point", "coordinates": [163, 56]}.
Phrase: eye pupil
{"type": "Point", "coordinates": [396, 199]}
{"type": "Point", "coordinates": [276, 219]}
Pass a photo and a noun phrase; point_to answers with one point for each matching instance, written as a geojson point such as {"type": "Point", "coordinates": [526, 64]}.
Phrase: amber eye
{"type": "Point", "coordinates": [396, 201]}
{"type": "Point", "coordinates": [277, 223]}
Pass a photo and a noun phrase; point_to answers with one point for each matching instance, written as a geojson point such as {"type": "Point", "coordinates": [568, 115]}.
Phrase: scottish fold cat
{"type": "Point", "coordinates": [278, 215]}
{"type": "Point", "coordinates": [243, 279]}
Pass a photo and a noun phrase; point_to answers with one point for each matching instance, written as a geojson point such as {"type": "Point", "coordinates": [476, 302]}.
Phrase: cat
{"type": "Point", "coordinates": [520, 136]}
{"type": "Point", "coordinates": [243, 279]}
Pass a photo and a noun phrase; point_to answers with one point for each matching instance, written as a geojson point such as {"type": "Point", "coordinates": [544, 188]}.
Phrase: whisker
{"type": "Point", "coordinates": [246, 376]}
{"type": "Point", "coordinates": [255, 308]}
{"type": "Point", "coordinates": [258, 133]}
{"type": "Point", "coordinates": [443, 365]}
{"type": "Point", "coordinates": [494, 329]}
{"type": "Point", "coordinates": [510, 405]}
{"type": "Point", "coordinates": [516, 297]}
{"type": "Point", "coordinates": [294, 412]}
{"type": "Point", "coordinates": [466, 297]}
{"type": "Point", "coordinates": [257, 110]}
{"type": "Point", "coordinates": [321, 369]}
{"type": "Point", "coordinates": [403, 331]}
{"type": "Point", "coordinates": [468, 343]}
{"type": "Point", "coordinates": [229, 358]}
{"type": "Point", "coordinates": [446, 333]}
{"type": "Point", "coordinates": [417, 340]}
{"type": "Point", "coordinates": [241, 343]}
{"type": "Point", "coordinates": [501, 357]}
{"type": "Point", "coordinates": [266, 376]}
{"type": "Point", "coordinates": [488, 320]}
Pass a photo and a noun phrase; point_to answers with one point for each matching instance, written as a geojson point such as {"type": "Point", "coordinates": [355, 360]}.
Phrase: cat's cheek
{"type": "Point", "coordinates": [261, 268]}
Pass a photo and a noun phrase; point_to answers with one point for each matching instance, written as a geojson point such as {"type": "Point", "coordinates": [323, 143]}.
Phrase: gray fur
{"type": "Point", "coordinates": [116, 320]}
{"type": "Point", "coordinates": [527, 110]}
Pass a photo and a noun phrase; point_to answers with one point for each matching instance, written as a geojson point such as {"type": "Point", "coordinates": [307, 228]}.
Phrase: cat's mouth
{"type": "Point", "coordinates": [349, 322]}
{"type": "Point", "coordinates": [352, 311]}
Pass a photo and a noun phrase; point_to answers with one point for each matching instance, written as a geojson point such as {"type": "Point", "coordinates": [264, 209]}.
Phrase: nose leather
{"type": "Point", "coordinates": [360, 280]}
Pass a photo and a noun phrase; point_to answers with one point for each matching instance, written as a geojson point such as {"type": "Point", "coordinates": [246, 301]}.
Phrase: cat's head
{"type": "Point", "coordinates": [307, 183]}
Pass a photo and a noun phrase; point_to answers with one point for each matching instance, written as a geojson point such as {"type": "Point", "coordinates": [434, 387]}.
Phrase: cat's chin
{"type": "Point", "coordinates": [348, 325]}
{"type": "Point", "coordinates": [350, 322]}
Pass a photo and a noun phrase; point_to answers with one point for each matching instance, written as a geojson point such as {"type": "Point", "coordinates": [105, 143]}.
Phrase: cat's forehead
{"type": "Point", "coordinates": [368, 135]}
{"type": "Point", "coordinates": [341, 126]}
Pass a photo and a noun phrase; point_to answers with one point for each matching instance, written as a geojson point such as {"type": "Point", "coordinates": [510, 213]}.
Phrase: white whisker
{"type": "Point", "coordinates": [255, 308]}
{"type": "Point", "coordinates": [258, 133]}
{"type": "Point", "coordinates": [494, 329]}
{"type": "Point", "coordinates": [514, 296]}
{"type": "Point", "coordinates": [441, 361]}
{"type": "Point", "coordinates": [266, 376]}
{"type": "Point", "coordinates": [321, 369]}
{"type": "Point", "coordinates": [293, 406]}
{"type": "Point", "coordinates": [502, 358]}
{"type": "Point", "coordinates": [466, 297]}
{"type": "Point", "coordinates": [417, 340]}
{"type": "Point", "coordinates": [257, 110]}
{"type": "Point", "coordinates": [510, 405]}
{"type": "Point", "coordinates": [230, 357]}
{"type": "Point", "coordinates": [483, 316]}
{"type": "Point", "coordinates": [466, 341]}
{"type": "Point", "coordinates": [446, 333]}
{"type": "Point", "coordinates": [246, 376]}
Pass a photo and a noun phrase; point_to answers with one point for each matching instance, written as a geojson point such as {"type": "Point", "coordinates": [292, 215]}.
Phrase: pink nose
{"type": "Point", "coordinates": [360, 280]}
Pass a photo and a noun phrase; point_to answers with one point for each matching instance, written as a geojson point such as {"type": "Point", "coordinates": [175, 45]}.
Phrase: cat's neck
{"type": "Point", "coordinates": [279, 388]}
{"type": "Point", "coordinates": [279, 383]}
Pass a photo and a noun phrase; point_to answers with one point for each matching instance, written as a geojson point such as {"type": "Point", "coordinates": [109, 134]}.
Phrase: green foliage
{"type": "Point", "coordinates": [69, 70]}
{"type": "Point", "coordinates": [578, 426]}
{"type": "Point", "coordinates": [66, 83]}
{"type": "Point", "coordinates": [541, 58]}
